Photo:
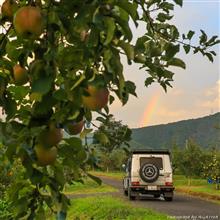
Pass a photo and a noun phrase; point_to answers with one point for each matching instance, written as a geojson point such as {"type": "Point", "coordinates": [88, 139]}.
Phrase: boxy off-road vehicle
{"type": "Point", "coordinates": [149, 172]}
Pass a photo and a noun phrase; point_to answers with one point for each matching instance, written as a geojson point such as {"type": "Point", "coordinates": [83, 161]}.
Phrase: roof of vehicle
{"type": "Point", "coordinates": [151, 151]}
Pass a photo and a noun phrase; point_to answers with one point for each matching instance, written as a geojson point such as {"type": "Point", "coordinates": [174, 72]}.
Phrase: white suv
{"type": "Point", "coordinates": [149, 172]}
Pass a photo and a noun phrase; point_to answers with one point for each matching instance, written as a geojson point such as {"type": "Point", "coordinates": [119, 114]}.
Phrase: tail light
{"type": "Point", "coordinates": [135, 183]}
{"type": "Point", "coordinates": [168, 183]}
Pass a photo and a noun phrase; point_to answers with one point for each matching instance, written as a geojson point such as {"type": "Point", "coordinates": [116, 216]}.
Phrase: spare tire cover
{"type": "Point", "coordinates": [149, 172]}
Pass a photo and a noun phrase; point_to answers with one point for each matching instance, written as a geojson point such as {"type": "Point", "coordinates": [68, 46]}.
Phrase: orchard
{"type": "Point", "coordinates": [60, 61]}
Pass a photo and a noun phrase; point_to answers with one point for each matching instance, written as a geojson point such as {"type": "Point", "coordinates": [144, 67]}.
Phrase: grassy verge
{"type": "Point", "coordinates": [114, 175]}
{"type": "Point", "coordinates": [199, 187]}
{"type": "Point", "coordinates": [107, 207]}
{"type": "Point", "coordinates": [89, 186]}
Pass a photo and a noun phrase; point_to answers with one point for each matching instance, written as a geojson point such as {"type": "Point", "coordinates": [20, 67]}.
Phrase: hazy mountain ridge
{"type": "Point", "coordinates": [202, 130]}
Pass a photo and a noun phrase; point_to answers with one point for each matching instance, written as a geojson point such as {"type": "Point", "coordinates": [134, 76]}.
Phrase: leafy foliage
{"type": "Point", "coordinates": [4, 209]}
{"type": "Point", "coordinates": [112, 134]}
{"type": "Point", "coordinates": [111, 142]}
{"type": "Point", "coordinates": [211, 168]}
{"type": "Point", "coordinates": [192, 161]}
{"type": "Point", "coordinates": [66, 46]}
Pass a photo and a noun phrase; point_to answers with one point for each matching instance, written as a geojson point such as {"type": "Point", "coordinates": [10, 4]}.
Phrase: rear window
{"type": "Point", "coordinates": [157, 161]}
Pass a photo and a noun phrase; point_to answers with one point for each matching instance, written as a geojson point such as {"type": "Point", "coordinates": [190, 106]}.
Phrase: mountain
{"type": "Point", "coordinates": [204, 131]}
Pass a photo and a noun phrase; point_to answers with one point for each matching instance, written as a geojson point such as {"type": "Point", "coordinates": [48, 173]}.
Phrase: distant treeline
{"type": "Point", "coordinates": [205, 131]}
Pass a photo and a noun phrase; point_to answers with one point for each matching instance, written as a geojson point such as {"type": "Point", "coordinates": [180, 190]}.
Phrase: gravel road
{"type": "Point", "coordinates": [182, 207]}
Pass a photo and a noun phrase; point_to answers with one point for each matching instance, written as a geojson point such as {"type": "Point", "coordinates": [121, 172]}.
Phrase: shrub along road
{"type": "Point", "coordinates": [182, 207]}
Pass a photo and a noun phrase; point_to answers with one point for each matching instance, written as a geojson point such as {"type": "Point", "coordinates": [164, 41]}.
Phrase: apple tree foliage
{"type": "Point", "coordinates": [212, 168]}
{"type": "Point", "coordinates": [82, 42]}
{"type": "Point", "coordinates": [111, 141]}
{"type": "Point", "coordinates": [112, 134]}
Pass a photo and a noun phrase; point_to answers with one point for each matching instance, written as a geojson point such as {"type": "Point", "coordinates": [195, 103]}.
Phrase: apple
{"type": "Point", "coordinates": [8, 9]}
{"type": "Point", "coordinates": [28, 22]}
{"type": "Point", "coordinates": [45, 156]}
{"type": "Point", "coordinates": [51, 136]}
{"type": "Point", "coordinates": [36, 69]}
{"type": "Point", "coordinates": [73, 127]}
{"type": "Point", "coordinates": [20, 75]}
{"type": "Point", "coordinates": [96, 99]}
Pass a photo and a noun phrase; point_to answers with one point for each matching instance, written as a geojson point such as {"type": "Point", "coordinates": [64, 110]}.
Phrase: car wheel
{"type": "Point", "coordinates": [169, 199]}
{"type": "Point", "coordinates": [149, 173]}
{"type": "Point", "coordinates": [130, 196]}
{"type": "Point", "coordinates": [157, 196]}
{"type": "Point", "coordinates": [125, 192]}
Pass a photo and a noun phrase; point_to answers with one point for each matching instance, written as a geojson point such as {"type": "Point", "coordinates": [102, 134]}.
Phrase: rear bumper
{"type": "Point", "coordinates": [149, 190]}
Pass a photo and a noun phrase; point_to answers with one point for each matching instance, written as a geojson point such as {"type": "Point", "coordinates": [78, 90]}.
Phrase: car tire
{"type": "Point", "coordinates": [149, 172]}
{"type": "Point", "coordinates": [130, 196]}
{"type": "Point", "coordinates": [125, 192]}
{"type": "Point", "coordinates": [168, 199]}
{"type": "Point", "coordinates": [157, 196]}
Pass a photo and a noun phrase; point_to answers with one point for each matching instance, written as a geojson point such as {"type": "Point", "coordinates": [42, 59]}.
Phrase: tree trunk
{"type": "Point", "coordinates": [217, 185]}
{"type": "Point", "coordinates": [189, 181]}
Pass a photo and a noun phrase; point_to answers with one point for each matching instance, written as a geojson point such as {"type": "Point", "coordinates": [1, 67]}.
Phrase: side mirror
{"type": "Point", "coordinates": [123, 167]}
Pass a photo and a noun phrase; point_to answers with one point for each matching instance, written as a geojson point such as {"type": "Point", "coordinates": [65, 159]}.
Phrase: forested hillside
{"type": "Point", "coordinates": [204, 131]}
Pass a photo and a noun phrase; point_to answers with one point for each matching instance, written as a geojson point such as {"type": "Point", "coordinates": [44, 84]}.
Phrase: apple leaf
{"type": "Point", "coordinates": [110, 24]}
{"type": "Point", "coordinates": [42, 85]}
{"type": "Point", "coordinates": [177, 62]}
{"type": "Point", "coordinates": [179, 2]}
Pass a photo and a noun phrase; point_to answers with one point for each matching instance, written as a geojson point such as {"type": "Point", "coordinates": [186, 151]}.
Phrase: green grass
{"type": "Point", "coordinates": [114, 175]}
{"type": "Point", "coordinates": [197, 185]}
{"type": "Point", "coordinates": [109, 208]}
{"type": "Point", "coordinates": [89, 186]}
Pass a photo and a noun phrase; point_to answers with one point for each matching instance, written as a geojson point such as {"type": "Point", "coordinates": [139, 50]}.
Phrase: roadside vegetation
{"type": "Point", "coordinates": [88, 186]}
{"type": "Point", "coordinates": [198, 187]}
{"type": "Point", "coordinates": [107, 207]}
{"type": "Point", "coordinates": [113, 174]}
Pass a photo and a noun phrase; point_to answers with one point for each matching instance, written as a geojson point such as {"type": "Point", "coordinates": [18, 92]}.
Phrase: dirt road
{"type": "Point", "coordinates": [182, 207]}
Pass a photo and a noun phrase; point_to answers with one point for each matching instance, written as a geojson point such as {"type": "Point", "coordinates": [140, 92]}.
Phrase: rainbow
{"type": "Point", "coordinates": [149, 110]}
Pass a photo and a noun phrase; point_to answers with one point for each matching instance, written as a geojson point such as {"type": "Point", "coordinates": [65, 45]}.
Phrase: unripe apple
{"type": "Point", "coordinates": [45, 156]}
{"type": "Point", "coordinates": [8, 9]}
{"type": "Point", "coordinates": [37, 70]}
{"type": "Point", "coordinates": [73, 127]}
{"type": "Point", "coordinates": [96, 99]}
{"type": "Point", "coordinates": [51, 136]}
{"type": "Point", "coordinates": [20, 75]}
{"type": "Point", "coordinates": [28, 22]}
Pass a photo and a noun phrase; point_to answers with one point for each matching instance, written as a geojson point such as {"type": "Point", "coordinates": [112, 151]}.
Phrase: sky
{"type": "Point", "coordinates": [196, 90]}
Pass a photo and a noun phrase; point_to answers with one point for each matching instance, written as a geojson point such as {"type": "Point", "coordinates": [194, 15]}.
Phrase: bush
{"type": "Point", "coordinates": [4, 210]}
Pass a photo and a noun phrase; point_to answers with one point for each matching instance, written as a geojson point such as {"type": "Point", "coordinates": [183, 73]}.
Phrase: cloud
{"type": "Point", "coordinates": [168, 114]}
{"type": "Point", "coordinates": [211, 98]}
{"type": "Point", "coordinates": [176, 92]}
{"type": "Point", "coordinates": [213, 91]}
{"type": "Point", "coordinates": [171, 113]}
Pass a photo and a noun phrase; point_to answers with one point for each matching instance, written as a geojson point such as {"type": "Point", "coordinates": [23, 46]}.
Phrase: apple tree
{"type": "Point", "coordinates": [191, 162]}
{"type": "Point", "coordinates": [211, 169]}
{"type": "Point", "coordinates": [60, 61]}
{"type": "Point", "coordinates": [111, 141]}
